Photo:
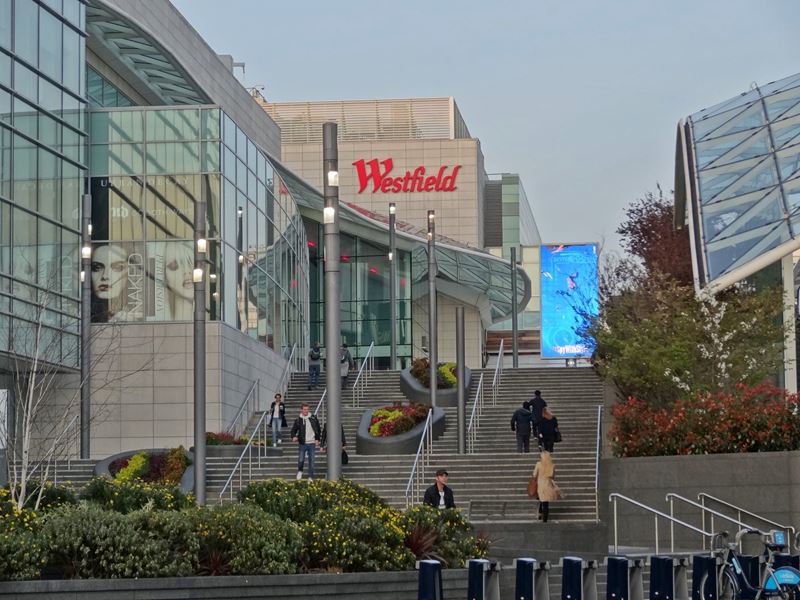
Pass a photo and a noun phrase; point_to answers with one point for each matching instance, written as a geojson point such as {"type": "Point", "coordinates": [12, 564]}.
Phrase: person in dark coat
{"type": "Point", "coordinates": [548, 430]}
{"type": "Point", "coordinates": [306, 432]}
{"type": "Point", "coordinates": [537, 405]}
{"type": "Point", "coordinates": [324, 443]}
{"type": "Point", "coordinates": [521, 422]}
{"type": "Point", "coordinates": [277, 418]}
{"type": "Point", "coordinates": [439, 495]}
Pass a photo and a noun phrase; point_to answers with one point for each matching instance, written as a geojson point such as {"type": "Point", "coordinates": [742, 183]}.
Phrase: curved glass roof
{"type": "Point", "coordinates": [472, 276]}
{"type": "Point", "coordinates": [744, 166]}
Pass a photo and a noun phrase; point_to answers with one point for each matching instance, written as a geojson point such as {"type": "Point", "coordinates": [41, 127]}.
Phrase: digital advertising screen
{"type": "Point", "coordinates": [569, 293]}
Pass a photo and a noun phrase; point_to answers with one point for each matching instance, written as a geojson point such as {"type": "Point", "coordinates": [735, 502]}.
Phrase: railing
{"type": "Point", "coordinates": [50, 458]}
{"type": "Point", "coordinates": [671, 497]}
{"type": "Point", "coordinates": [367, 366]}
{"type": "Point", "coordinates": [321, 404]}
{"type": "Point", "coordinates": [252, 402]}
{"type": "Point", "coordinates": [258, 440]}
{"type": "Point", "coordinates": [702, 497]}
{"type": "Point", "coordinates": [656, 514]}
{"type": "Point", "coordinates": [283, 382]}
{"type": "Point", "coordinates": [598, 449]}
{"type": "Point", "coordinates": [498, 373]}
{"type": "Point", "coordinates": [475, 417]}
{"type": "Point", "coordinates": [421, 461]}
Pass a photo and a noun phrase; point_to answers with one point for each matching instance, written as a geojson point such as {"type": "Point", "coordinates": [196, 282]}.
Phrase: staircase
{"type": "Point", "coordinates": [75, 472]}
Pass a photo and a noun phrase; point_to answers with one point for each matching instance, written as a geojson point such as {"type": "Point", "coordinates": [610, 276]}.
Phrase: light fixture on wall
{"type": "Point", "coordinates": [197, 275]}
{"type": "Point", "coordinates": [328, 215]}
{"type": "Point", "coordinates": [333, 178]}
{"type": "Point", "coordinates": [202, 245]}
{"type": "Point", "coordinates": [86, 252]}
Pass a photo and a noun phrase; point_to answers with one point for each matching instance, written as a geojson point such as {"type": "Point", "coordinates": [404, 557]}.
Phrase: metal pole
{"type": "Point", "coordinates": [432, 322]}
{"type": "Point", "coordinates": [460, 377]}
{"type": "Point", "coordinates": [514, 309]}
{"type": "Point", "coordinates": [86, 325]}
{"type": "Point", "coordinates": [199, 275]}
{"type": "Point", "coordinates": [333, 327]}
{"type": "Point", "coordinates": [392, 287]}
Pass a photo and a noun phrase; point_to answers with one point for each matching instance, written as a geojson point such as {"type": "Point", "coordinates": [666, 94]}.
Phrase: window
{"type": "Point", "coordinates": [26, 18]}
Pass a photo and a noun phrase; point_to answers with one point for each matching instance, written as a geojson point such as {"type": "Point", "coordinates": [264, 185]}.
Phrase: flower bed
{"type": "Point", "coordinates": [759, 418]}
{"type": "Point", "coordinates": [224, 439]}
{"type": "Point", "coordinates": [396, 419]}
{"type": "Point", "coordinates": [150, 467]}
{"type": "Point", "coordinates": [445, 374]}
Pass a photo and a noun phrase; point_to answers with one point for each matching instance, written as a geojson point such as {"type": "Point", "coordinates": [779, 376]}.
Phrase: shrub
{"type": "Point", "coordinates": [391, 420]}
{"type": "Point", "coordinates": [138, 464]}
{"type": "Point", "coordinates": [52, 495]}
{"type": "Point", "coordinates": [420, 371]}
{"type": "Point", "coordinates": [174, 538]}
{"type": "Point", "coordinates": [356, 538]}
{"type": "Point", "coordinates": [442, 534]}
{"type": "Point", "coordinates": [224, 439]}
{"type": "Point", "coordinates": [127, 496]}
{"type": "Point", "coordinates": [21, 555]}
{"type": "Point", "coordinates": [751, 419]}
{"type": "Point", "coordinates": [241, 539]}
{"type": "Point", "coordinates": [445, 373]}
{"type": "Point", "coordinates": [175, 464]}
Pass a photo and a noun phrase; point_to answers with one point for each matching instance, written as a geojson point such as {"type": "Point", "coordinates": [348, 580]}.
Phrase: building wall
{"type": "Point", "coordinates": [459, 214]}
{"type": "Point", "coordinates": [446, 331]}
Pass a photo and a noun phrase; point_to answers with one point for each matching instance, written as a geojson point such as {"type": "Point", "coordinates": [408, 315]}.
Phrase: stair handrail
{"type": "Point", "coordinates": [421, 460]}
{"type": "Point", "coordinates": [48, 457]}
{"type": "Point", "coordinates": [672, 496]}
{"type": "Point", "coordinates": [254, 387]}
{"type": "Point", "coordinates": [361, 384]}
{"type": "Point", "coordinates": [475, 417]}
{"type": "Point", "coordinates": [702, 497]}
{"type": "Point", "coordinates": [260, 433]}
{"type": "Point", "coordinates": [498, 373]}
{"type": "Point", "coordinates": [321, 404]}
{"type": "Point", "coordinates": [613, 497]}
{"type": "Point", "coordinates": [598, 449]}
{"type": "Point", "coordinates": [283, 382]}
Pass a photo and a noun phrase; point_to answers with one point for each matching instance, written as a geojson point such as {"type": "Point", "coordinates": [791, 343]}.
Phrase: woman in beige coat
{"type": "Point", "coordinates": [547, 488]}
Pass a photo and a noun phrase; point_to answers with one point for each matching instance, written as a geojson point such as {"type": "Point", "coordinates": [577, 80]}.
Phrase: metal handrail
{"type": "Point", "coordinates": [498, 373]}
{"type": "Point", "coordinates": [598, 449]}
{"type": "Point", "coordinates": [702, 497]}
{"type": "Point", "coordinates": [259, 432]}
{"type": "Point", "coordinates": [656, 513]}
{"type": "Point", "coordinates": [232, 428]}
{"type": "Point", "coordinates": [417, 476]}
{"type": "Point", "coordinates": [361, 384]}
{"type": "Point", "coordinates": [321, 404]}
{"type": "Point", "coordinates": [474, 418]}
{"type": "Point", "coordinates": [48, 458]}
{"type": "Point", "coordinates": [283, 382]}
{"type": "Point", "coordinates": [672, 496]}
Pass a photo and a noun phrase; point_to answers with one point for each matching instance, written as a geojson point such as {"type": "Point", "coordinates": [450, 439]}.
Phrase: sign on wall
{"type": "Point", "coordinates": [569, 295]}
{"type": "Point", "coordinates": [418, 180]}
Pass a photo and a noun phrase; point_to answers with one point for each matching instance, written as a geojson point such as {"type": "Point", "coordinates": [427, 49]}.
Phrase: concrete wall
{"type": "Point", "coordinates": [459, 214]}
{"type": "Point", "coordinates": [446, 330]}
{"type": "Point", "coordinates": [764, 483]}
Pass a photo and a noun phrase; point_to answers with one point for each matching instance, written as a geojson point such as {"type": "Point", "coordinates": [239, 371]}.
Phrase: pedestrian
{"type": "Point", "coordinates": [439, 495]}
{"type": "Point", "coordinates": [537, 405]}
{"type": "Point", "coordinates": [277, 418]}
{"type": "Point", "coordinates": [324, 443]}
{"type": "Point", "coordinates": [306, 433]}
{"type": "Point", "coordinates": [314, 359]}
{"type": "Point", "coordinates": [548, 431]}
{"type": "Point", "coordinates": [346, 363]}
{"type": "Point", "coordinates": [521, 422]}
{"type": "Point", "coordinates": [548, 491]}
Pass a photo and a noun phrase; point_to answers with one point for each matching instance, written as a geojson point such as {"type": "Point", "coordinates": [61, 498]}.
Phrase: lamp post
{"type": "Point", "coordinates": [198, 277]}
{"type": "Point", "coordinates": [514, 308]}
{"type": "Point", "coordinates": [432, 353]}
{"type": "Point", "coordinates": [392, 287]}
{"type": "Point", "coordinates": [86, 324]}
{"type": "Point", "coordinates": [333, 326]}
{"type": "Point", "coordinates": [241, 310]}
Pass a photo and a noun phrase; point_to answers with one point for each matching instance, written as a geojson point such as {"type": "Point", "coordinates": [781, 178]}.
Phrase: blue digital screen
{"type": "Point", "coordinates": [569, 293]}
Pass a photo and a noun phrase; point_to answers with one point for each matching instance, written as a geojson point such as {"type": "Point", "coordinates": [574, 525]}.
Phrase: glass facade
{"type": "Point", "coordinates": [101, 93]}
{"type": "Point", "coordinates": [743, 161]}
{"type": "Point", "coordinates": [149, 169]}
{"type": "Point", "coordinates": [42, 173]}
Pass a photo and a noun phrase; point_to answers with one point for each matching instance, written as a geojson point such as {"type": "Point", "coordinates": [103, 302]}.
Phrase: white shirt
{"type": "Point", "coordinates": [441, 499]}
{"type": "Point", "coordinates": [276, 414]}
{"type": "Point", "coordinates": [309, 430]}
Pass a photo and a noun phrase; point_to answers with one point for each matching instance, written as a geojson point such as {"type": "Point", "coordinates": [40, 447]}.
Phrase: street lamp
{"type": "Point", "coordinates": [514, 308]}
{"type": "Point", "coordinates": [392, 286]}
{"type": "Point", "coordinates": [198, 277]}
{"type": "Point", "coordinates": [86, 324]}
{"type": "Point", "coordinates": [432, 322]}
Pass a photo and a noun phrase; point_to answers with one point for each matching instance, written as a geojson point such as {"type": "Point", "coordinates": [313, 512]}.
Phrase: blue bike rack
{"type": "Point", "coordinates": [484, 579]}
{"type": "Point", "coordinates": [624, 578]}
{"type": "Point", "coordinates": [703, 564]}
{"type": "Point", "coordinates": [786, 560]}
{"type": "Point", "coordinates": [430, 580]}
{"type": "Point", "coordinates": [578, 578]}
{"type": "Point", "coordinates": [532, 579]}
{"type": "Point", "coordinates": [668, 578]}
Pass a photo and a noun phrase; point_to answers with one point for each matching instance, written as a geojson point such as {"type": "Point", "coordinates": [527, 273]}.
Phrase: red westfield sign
{"type": "Point", "coordinates": [415, 181]}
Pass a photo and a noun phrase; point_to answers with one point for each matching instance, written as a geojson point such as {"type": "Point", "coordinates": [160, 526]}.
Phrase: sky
{"type": "Point", "coordinates": [581, 98]}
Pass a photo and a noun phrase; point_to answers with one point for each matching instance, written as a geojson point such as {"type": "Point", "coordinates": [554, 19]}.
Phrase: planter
{"type": "Point", "coordinates": [235, 451]}
{"type": "Point", "coordinates": [187, 481]}
{"type": "Point", "coordinates": [403, 443]}
{"type": "Point", "coordinates": [416, 392]}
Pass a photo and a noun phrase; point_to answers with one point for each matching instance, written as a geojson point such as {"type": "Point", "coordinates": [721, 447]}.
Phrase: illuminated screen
{"type": "Point", "coordinates": [569, 291]}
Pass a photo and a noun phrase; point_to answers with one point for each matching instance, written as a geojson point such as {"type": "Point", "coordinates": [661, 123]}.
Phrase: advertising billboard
{"type": "Point", "coordinates": [569, 294]}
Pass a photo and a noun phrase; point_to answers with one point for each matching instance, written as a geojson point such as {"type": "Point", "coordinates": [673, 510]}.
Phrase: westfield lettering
{"type": "Point", "coordinates": [415, 181]}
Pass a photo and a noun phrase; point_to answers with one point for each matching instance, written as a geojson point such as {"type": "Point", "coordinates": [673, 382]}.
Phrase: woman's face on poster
{"type": "Point", "coordinates": [179, 263]}
{"type": "Point", "coordinates": [109, 267]}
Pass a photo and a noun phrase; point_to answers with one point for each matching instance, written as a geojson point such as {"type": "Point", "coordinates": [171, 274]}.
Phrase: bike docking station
{"type": "Point", "coordinates": [578, 578]}
{"type": "Point", "coordinates": [624, 578]}
{"type": "Point", "coordinates": [483, 579]}
{"type": "Point", "coordinates": [704, 569]}
{"type": "Point", "coordinates": [430, 580]}
{"type": "Point", "coordinates": [668, 578]}
{"type": "Point", "coordinates": [532, 580]}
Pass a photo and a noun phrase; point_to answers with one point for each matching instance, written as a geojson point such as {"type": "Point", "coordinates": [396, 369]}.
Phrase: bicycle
{"type": "Point", "coordinates": [733, 584]}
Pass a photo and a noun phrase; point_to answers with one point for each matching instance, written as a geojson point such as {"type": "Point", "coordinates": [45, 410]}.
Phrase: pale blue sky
{"type": "Point", "coordinates": [581, 98]}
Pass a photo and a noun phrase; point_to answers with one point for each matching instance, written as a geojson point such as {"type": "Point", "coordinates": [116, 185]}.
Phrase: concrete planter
{"type": "Point", "coordinates": [101, 469]}
{"type": "Point", "coordinates": [403, 443]}
{"type": "Point", "coordinates": [415, 391]}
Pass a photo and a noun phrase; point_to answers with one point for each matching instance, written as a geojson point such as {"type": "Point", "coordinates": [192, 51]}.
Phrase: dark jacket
{"type": "Point", "coordinates": [324, 438]}
{"type": "Point", "coordinates": [299, 429]}
{"type": "Point", "coordinates": [547, 428]}
{"type": "Point", "coordinates": [282, 413]}
{"type": "Point", "coordinates": [537, 405]}
{"type": "Point", "coordinates": [431, 497]}
{"type": "Point", "coordinates": [521, 421]}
